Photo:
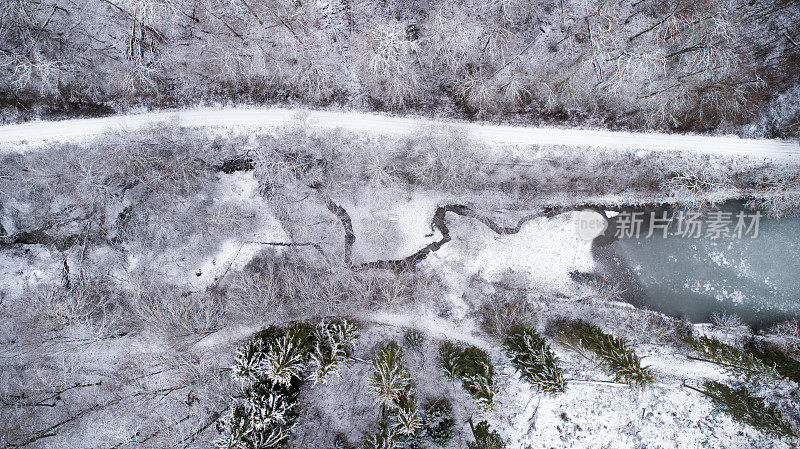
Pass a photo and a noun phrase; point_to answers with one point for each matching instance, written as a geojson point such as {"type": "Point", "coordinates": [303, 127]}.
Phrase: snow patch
{"type": "Point", "coordinates": [545, 250]}
{"type": "Point", "coordinates": [21, 269]}
{"type": "Point", "coordinates": [233, 253]}
{"type": "Point", "coordinates": [391, 224]}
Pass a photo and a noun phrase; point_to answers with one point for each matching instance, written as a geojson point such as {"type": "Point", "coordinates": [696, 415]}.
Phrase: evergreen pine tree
{"type": "Point", "coordinates": [435, 426]}
{"type": "Point", "coordinates": [333, 342]}
{"type": "Point", "coordinates": [283, 361]}
{"type": "Point", "coordinates": [473, 367]}
{"type": "Point", "coordinates": [235, 428]}
{"type": "Point", "coordinates": [269, 365]}
{"type": "Point", "coordinates": [748, 409]}
{"type": "Point", "coordinates": [477, 375]}
{"type": "Point", "coordinates": [438, 424]}
{"type": "Point", "coordinates": [390, 377]}
{"type": "Point", "coordinates": [485, 437]}
{"type": "Point", "coordinates": [782, 363]}
{"type": "Point", "coordinates": [392, 383]}
{"type": "Point", "coordinates": [534, 360]}
{"type": "Point", "coordinates": [385, 438]}
{"type": "Point", "coordinates": [732, 359]}
{"type": "Point", "coordinates": [614, 353]}
{"type": "Point", "coordinates": [269, 407]}
{"type": "Point", "coordinates": [449, 360]}
{"type": "Point", "coordinates": [264, 418]}
{"type": "Point", "coordinates": [407, 417]}
{"type": "Point", "coordinates": [414, 339]}
{"type": "Point", "coordinates": [248, 358]}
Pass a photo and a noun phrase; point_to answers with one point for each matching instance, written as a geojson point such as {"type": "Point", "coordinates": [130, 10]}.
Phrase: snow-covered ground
{"type": "Point", "coordinates": [28, 135]}
{"type": "Point", "coordinates": [392, 223]}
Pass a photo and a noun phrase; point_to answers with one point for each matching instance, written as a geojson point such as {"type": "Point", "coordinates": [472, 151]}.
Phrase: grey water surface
{"type": "Point", "coordinates": [754, 276]}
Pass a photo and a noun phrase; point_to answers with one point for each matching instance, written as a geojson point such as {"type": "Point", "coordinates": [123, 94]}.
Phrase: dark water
{"type": "Point", "coordinates": [755, 278]}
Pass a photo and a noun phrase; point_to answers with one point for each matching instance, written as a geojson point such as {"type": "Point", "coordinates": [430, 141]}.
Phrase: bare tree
{"type": "Point", "coordinates": [390, 64]}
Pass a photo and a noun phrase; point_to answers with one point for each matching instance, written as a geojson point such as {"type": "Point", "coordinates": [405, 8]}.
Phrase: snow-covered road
{"type": "Point", "coordinates": [29, 135]}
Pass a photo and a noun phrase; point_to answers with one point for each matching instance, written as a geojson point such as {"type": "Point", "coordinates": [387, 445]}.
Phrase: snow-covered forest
{"type": "Point", "coordinates": [682, 65]}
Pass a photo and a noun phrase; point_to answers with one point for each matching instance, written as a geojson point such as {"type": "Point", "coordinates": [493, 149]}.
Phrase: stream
{"type": "Point", "coordinates": [697, 269]}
